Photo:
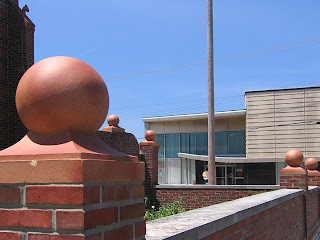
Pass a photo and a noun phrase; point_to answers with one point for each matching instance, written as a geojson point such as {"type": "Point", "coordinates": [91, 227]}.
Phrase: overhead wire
{"type": "Point", "coordinates": [236, 57]}
{"type": "Point", "coordinates": [195, 100]}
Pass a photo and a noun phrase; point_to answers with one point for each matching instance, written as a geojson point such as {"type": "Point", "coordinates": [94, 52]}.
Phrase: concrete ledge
{"type": "Point", "coordinates": [246, 187]}
{"type": "Point", "coordinates": [313, 188]}
{"type": "Point", "coordinates": [199, 223]}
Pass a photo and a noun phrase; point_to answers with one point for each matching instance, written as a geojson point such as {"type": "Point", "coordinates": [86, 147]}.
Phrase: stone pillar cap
{"type": "Point", "coordinates": [113, 121]}
{"type": "Point", "coordinates": [63, 102]}
{"type": "Point", "coordinates": [150, 136]}
{"type": "Point", "coordinates": [311, 165]}
{"type": "Point", "coordinates": [294, 159]}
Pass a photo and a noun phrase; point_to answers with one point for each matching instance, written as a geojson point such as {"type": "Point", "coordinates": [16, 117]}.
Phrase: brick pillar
{"type": "Point", "coordinates": [311, 165]}
{"type": "Point", "coordinates": [293, 176]}
{"type": "Point", "coordinates": [72, 196]}
{"type": "Point", "coordinates": [149, 148]}
{"type": "Point", "coordinates": [60, 181]}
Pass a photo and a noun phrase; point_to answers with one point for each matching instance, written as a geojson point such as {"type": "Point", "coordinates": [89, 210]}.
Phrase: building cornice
{"type": "Point", "coordinates": [196, 116]}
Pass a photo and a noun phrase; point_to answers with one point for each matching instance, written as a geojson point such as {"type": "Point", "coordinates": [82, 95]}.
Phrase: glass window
{"type": "Point", "coordinates": [192, 143]}
{"type": "Point", "coordinates": [161, 171]}
{"type": "Point", "coordinates": [172, 145]}
{"type": "Point", "coordinates": [221, 142]}
{"type": "Point", "coordinates": [185, 142]}
{"type": "Point", "coordinates": [202, 143]}
{"type": "Point", "coordinates": [236, 141]}
{"type": "Point", "coordinates": [160, 139]}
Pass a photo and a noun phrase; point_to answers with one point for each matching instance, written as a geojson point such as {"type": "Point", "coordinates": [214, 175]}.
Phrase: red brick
{"type": "Point", "coordinates": [100, 217]}
{"type": "Point", "coordinates": [70, 220]}
{"type": "Point", "coordinates": [64, 195]}
{"type": "Point", "coordinates": [10, 236]}
{"type": "Point", "coordinates": [91, 195]}
{"type": "Point", "coordinates": [97, 236]}
{"type": "Point", "coordinates": [138, 191]}
{"type": "Point", "coordinates": [25, 218]}
{"type": "Point", "coordinates": [115, 193]}
{"type": "Point", "coordinates": [9, 195]}
{"type": "Point", "coordinates": [34, 236]}
{"type": "Point", "coordinates": [132, 211]}
{"type": "Point", "coordinates": [123, 233]}
{"type": "Point", "coordinates": [140, 229]}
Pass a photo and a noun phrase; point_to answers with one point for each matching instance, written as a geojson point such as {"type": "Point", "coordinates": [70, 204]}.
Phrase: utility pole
{"type": "Point", "coordinates": [211, 125]}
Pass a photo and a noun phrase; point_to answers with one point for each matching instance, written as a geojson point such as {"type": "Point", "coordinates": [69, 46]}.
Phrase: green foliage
{"type": "Point", "coordinates": [164, 211]}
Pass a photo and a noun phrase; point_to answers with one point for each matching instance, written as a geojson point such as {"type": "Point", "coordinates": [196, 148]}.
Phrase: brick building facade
{"type": "Point", "coordinates": [16, 56]}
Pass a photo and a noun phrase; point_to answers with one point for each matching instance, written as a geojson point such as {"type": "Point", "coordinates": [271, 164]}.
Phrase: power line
{"type": "Point", "coordinates": [285, 124]}
{"type": "Point", "coordinates": [196, 100]}
{"type": "Point", "coordinates": [236, 57]}
{"type": "Point", "coordinates": [155, 71]}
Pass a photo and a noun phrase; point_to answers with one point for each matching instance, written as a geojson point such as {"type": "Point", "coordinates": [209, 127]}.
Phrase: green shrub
{"type": "Point", "coordinates": [164, 211]}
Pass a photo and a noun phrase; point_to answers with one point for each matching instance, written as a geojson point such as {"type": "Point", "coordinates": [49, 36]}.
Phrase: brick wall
{"type": "Point", "coordinates": [281, 214]}
{"type": "Point", "coordinates": [120, 141]}
{"type": "Point", "coordinates": [16, 56]}
{"type": "Point", "coordinates": [315, 181]}
{"type": "Point", "coordinates": [52, 210]}
{"type": "Point", "coordinates": [284, 221]}
{"type": "Point", "coordinates": [195, 197]}
{"type": "Point", "coordinates": [3, 74]}
{"type": "Point", "coordinates": [312, 212]}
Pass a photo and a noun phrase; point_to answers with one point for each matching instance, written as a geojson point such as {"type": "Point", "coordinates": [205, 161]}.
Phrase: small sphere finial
{"type": "Point", "coordinates": [311, 164]}
{"type": "Point", "coordinates": [150, 135]}
{"type": "Point", "coordinates": [62, 93]}
{"type": "Point", "coordinates": [113, 120]}
{"type": "Point", "coordinates": [294, 158]}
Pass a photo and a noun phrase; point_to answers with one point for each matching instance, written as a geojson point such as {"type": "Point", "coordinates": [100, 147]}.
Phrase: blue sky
{"type": "Point", "coordinates": [120, 37]}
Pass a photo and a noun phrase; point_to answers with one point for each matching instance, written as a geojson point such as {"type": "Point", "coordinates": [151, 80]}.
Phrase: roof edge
{"type": "Point", "coordinates": [233, 113]}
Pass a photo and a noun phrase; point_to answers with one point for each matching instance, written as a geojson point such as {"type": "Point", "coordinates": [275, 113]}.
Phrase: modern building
{"type": "Point", "coordinates": [250, 144]}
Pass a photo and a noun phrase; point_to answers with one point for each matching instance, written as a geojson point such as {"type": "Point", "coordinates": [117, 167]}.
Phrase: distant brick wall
{"type": "Point", "coordinates": [197, 198]}
{"type": "Point", "coordinates": [16, 56]}
{"type": "Point", "coordinates": [120, 141]}
{"type": "Point", "coordinates": [293, 181]}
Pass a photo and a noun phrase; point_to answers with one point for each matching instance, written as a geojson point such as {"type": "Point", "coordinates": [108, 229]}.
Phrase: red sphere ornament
{"type": "Point", "coordinates": [113, 120]}
{"type": "Point", "coordinates": [294, 158]}
{"type": "Point", "coordinates": [150, 135]}
{"type": "Point", "coordinates": [62, 93]}
{"type": "Point", "coordinates": [311, 164]}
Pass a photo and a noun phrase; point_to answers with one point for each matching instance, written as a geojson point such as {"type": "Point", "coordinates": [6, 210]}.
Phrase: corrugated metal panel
{"type": "Point", "coordinates": [280, 120]}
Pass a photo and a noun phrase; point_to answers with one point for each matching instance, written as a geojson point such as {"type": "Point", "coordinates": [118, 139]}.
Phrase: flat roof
{"type": "Point", "coordinates": [234, 113]}
{"type": "Point", "coordinates": [280, 89]}
{"type": "Point", "coordinates": [232, 159]}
